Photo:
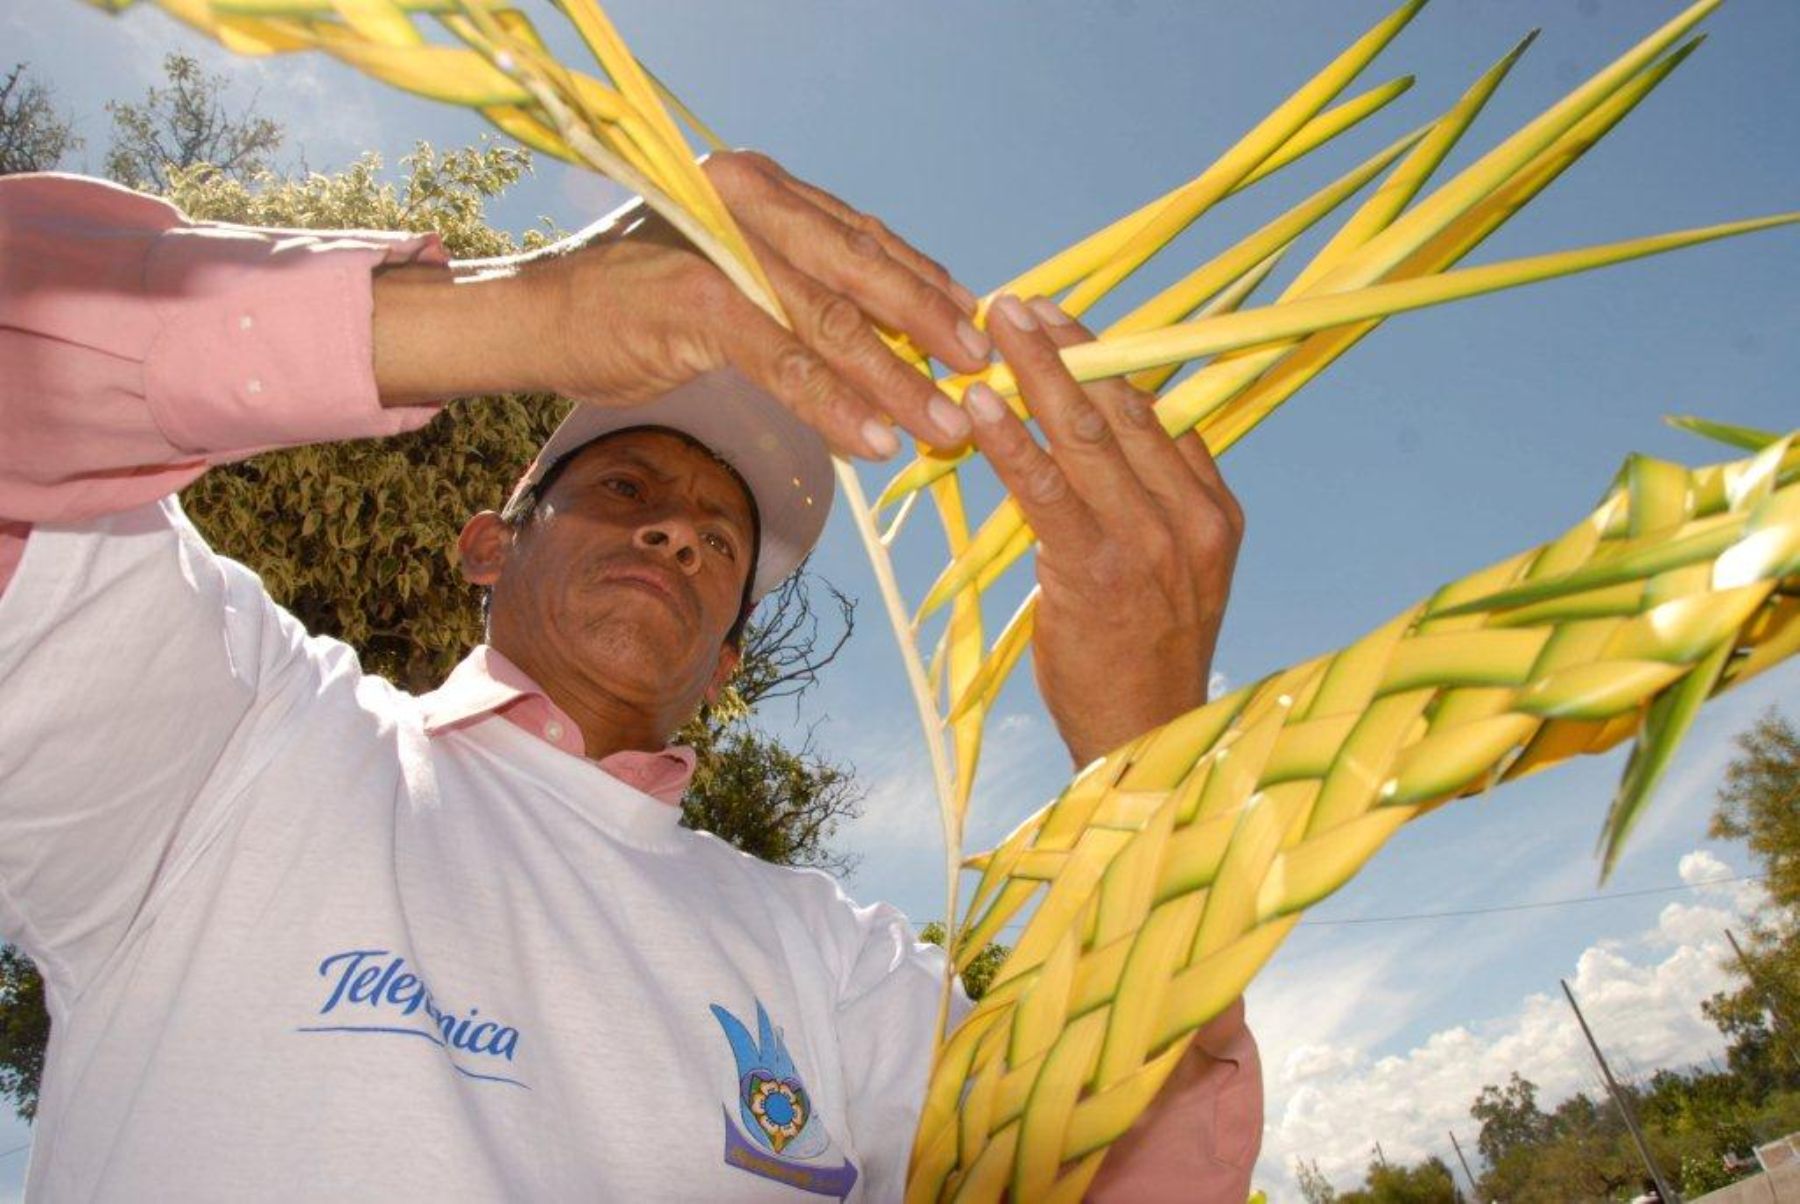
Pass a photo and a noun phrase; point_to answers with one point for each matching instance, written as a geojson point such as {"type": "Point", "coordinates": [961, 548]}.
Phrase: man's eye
{"type": "Point", "coordinates": [623, 486]}
{"type": "Point", "coordinates": [720, 544]}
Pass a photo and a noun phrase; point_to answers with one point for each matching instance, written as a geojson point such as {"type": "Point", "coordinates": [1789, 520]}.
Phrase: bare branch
{"type": "Point", "coordinates": [185, 124]}
{"type": "Point", "coordinates": [33, 135]}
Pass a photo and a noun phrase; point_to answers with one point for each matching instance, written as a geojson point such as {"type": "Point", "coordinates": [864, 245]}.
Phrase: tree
{"type": "Point", "coordinates": [1577, 1152]}
{"type": "Point", "coordinates": [774, 802]}
{"type": "Point", "coordinates": [185, 123]}
{"type": "Point", "coordinates": [24, 1030]}
{"type": "Point", "coordinates": [1427, 1183]}
{"type": "Point", "coordinates": [33, 135]}
{"type": "Point", "coordinates": [1315, 1188]}
{"type": "Point", "coordinates": [1509, 1116]}
{"type": "Point", "coordinates": [979, 975]}
{"type": "Point", "coordinates": [1759, 804]}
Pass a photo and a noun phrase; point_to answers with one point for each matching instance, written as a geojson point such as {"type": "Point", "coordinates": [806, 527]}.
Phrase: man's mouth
{"type": "Point", "coordinates": [658, 582]}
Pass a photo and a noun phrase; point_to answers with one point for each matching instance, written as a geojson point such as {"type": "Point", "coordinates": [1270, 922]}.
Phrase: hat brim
{"type": "Point", "coordinates": [783, 461]}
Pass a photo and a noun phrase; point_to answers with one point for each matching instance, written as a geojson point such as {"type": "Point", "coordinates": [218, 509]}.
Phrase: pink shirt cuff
{"type": "Point", "coordinates": [264, 337]}
{"type": "Point", "coordinates": [136, 346]}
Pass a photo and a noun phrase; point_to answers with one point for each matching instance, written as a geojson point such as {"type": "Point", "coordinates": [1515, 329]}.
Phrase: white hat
{"type": "Point", "coordinates": [783, 461]}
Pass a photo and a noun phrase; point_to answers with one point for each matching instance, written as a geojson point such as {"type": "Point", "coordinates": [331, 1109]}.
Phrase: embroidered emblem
{"type": "Point", "coordinates": [780, 1136]}
{"type": "Point", "coordinates": [779, 1106]}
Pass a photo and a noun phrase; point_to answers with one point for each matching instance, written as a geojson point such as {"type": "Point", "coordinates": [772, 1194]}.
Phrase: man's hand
{"type": "Point", "coordinates": [629, 309]}
{"type": "Point", "coordinates": [1137, 537]}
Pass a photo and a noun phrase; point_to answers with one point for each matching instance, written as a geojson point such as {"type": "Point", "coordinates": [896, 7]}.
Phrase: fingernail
{"type": "Point", "coordinates": [1050, 312]}
{"type": "Point", "coordinates": [1014, 311]}
{"type": "Point", "coordinates": [984, 403]}
{"type": "Point", "coordinates": [977, 343]}
{"type": "Point", "coordinates": [966, 300]}
{"type": "Point", "coordinates": [879, 438]}
{"type": "Point", "coordinates": [947, 418]}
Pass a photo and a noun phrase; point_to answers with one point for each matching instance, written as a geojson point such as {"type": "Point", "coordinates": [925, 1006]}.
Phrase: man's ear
{"type": "Point", "coordinates": [483, 547]}
{"type": "Point", "coordinates": [729, 656]}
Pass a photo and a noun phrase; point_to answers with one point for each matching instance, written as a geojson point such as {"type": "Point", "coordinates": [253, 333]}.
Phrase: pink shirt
{"type": "Point", "coordinates": [487, 683]}
{"type": "Point", "coordinates": [137, 348]}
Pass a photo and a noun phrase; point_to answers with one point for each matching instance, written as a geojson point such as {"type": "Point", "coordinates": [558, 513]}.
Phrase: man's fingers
{"type": "Point", "coordinates": [1201, 463]}
{"type": "Point", "coordinates": [1054, 510]}
{"type": "Point", "coordinates": [800, 379]}
{"type": "Point", "coordinates": [1160, 468]}
{"type": "Point", "coordinates": [855, 262]}
{"type": "Point", "coordinates": [831, 324]}
{"type": "Point", "coordinates": [1081, 438]}
{"type": "Point", "coordinates": [855, 255]}
{"type": "Point", "coordinates": [927, 267]}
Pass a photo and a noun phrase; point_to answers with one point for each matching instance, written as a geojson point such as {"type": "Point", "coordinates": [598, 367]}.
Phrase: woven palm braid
{"type": "Point", "coordinates": [1171, 870]}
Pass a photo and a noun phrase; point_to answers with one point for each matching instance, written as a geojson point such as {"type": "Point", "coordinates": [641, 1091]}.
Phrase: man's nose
{"type": "Point", "coordinates": [674, 538]}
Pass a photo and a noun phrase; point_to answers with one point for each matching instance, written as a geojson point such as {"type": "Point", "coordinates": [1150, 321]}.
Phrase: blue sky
{"type": "Point", "coordinates": [993, 133]}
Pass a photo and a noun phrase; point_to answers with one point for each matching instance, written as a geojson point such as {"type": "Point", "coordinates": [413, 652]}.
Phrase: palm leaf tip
{"type": "Point", "coordinates": [1748, 438]}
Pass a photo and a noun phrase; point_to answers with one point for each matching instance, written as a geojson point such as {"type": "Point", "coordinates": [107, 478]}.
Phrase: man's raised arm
{"type": "Point", "coordinates": [138, 347]}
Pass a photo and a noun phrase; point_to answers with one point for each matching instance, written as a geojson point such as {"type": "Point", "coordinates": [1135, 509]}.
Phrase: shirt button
{"type": "Point", "coordinates": [245, 322]}
{"type": "Point", "coordinates": [254, 387]}
{"type": "Point", "coordinates": [553, 732]}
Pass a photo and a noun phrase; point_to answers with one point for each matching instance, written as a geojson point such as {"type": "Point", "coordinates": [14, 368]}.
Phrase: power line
{"type": "Point", "coordinates": [1488, 911]}
{"type": "Point", "coordinates": [16, 1150]}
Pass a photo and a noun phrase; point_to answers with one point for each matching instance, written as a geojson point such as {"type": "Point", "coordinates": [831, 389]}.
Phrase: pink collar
{"type": "Point", "coordinates": [486, 683]}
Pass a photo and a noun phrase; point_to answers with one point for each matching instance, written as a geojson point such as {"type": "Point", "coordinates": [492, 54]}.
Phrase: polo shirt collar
{"type": "Point", "coordinates": [485, 683]}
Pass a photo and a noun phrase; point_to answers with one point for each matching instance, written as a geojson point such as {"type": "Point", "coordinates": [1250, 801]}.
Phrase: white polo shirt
{"type": "Point", "coordinates": [295, 948]}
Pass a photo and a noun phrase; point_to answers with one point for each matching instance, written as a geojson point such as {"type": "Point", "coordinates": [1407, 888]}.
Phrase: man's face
{"type": "Point", "coordinates": [627, 577]}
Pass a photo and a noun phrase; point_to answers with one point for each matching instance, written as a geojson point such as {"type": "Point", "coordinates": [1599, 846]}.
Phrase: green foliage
{"type": "Point", "coordinates": [1701, 1128]}
{"type": "Point", "coordinates": [1510, 1118]}
{"type": "Point", "coordinates": [773, 802]}
{"type": "Point", "coordinates": [1429, 1182]}
{"type": "Point", "coordinates": [34, 136]}
{"type": "Point", "coordinates": [1759, 804]}
{"type": "Point", "coordinates": [1697, 1176]}
{"type": "Point", "coordinates": [185, 122]}
{"type": "Point", "coordinates": [980, 973]}
{"type": "Point", "coordinates": [24, 1030]}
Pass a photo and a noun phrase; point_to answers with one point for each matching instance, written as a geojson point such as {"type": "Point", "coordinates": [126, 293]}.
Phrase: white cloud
{"type": "Point", "coordinates": [900, 811]}
{"type": "Point", "coordinates": [1018, 721]}
{"type": "Point", "coordinates": [1315, 1061]}
{"type": "Point", "coordinates": [1330, 1099]}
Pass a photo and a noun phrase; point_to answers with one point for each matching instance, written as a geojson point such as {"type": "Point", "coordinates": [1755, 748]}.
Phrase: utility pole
{"type": "Point", "coordinates": [1637, 1135]}
{"type": "Point", "coordinates": [1380, 1156]}
{"type": "Point", "coordinates": [1474, 1189]}
{"type": "Point", "coordinates": [1777, 1020]}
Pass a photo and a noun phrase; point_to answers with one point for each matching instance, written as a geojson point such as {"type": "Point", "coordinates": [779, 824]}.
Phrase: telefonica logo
{"type": "Point", "coordinates": [376, 980]}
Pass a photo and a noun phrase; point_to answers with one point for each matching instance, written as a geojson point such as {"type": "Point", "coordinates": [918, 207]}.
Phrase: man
{"type": "Point", "coordinates": [304, 935]}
